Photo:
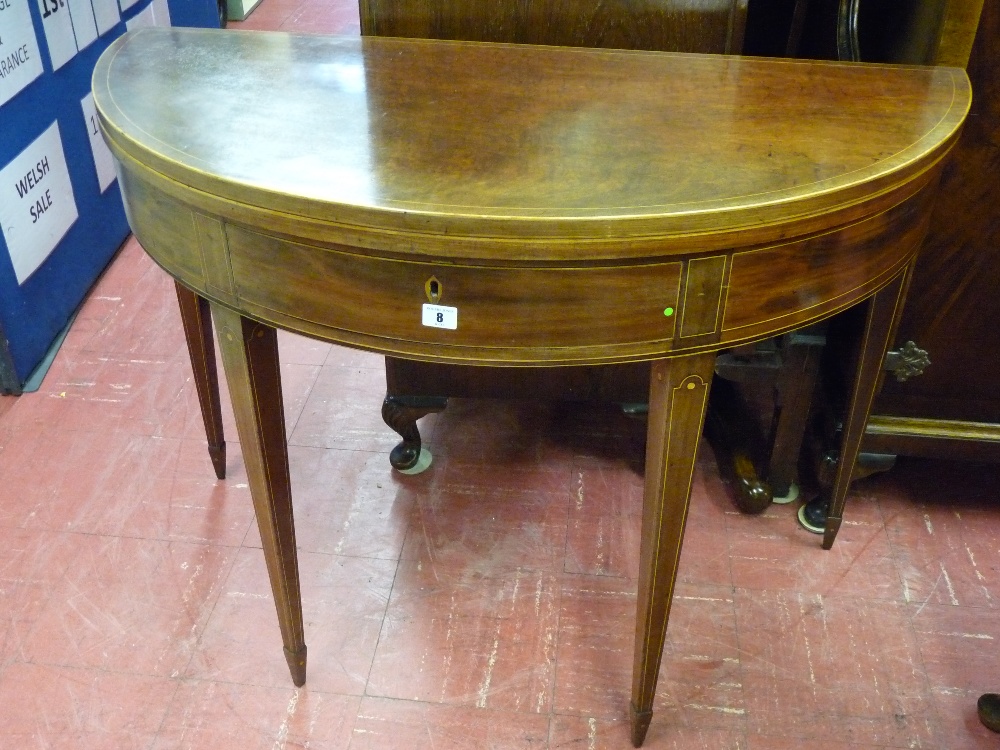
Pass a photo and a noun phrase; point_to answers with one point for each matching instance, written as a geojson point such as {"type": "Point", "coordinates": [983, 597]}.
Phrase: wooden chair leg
{"type": "Point", "coordinates": [197, 321]}
{"type": "Point", "coordinates": [250, 356]}
{"type": "Point", "coordinates": [736, 438]}
{"type": "Point", "coordinates": [678, 397]}
{"type": "Point", "coordinates": [796, 385]}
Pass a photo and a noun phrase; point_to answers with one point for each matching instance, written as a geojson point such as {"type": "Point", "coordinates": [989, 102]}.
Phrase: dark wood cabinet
{"type": "Point", "coordinates": [675, 25]}
{"type": "Point", "coordinates": [952, 308]}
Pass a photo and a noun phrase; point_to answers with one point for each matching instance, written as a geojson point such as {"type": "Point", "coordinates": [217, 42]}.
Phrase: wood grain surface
{"type": "Point", "coordinates": [512, 141]}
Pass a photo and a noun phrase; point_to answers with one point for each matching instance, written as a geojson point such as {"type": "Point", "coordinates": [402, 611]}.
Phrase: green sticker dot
{"type": "Point", "coordinates": [668, 312]}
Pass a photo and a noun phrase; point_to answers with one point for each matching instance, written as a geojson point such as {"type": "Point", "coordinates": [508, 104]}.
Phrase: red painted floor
{"type": "Point", "coordinates": [488, 603]}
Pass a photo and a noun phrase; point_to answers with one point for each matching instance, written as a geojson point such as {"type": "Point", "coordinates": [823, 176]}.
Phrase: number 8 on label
{"type": "Point", "coordinates": [439, 316]}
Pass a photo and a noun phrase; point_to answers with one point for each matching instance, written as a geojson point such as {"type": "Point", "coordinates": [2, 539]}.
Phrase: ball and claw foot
{"type": "Point", "coordinates": [297, 665]}
{"type": "Point", "coordinates": [989, 711]}
{"type": "Point", "coordinates": [401, 413]}
{"type": "Point", "coordinates": [639, 721]}
{"type": "Point", "coordinates": [407, 460]}
{"type": "Point", "coordinates": [812, 515]}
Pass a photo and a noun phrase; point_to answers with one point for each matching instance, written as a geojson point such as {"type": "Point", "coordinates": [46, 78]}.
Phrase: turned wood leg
{"type": "Point", "coordinates": [250, 357]}
{"type": "Point", "coordinates": [678, 395]}
{"type": "Point", "coordinates": [796, 383]}
{"type": "Point", "coordinates": [197, 321]}
{"type": "Point", "coordinates": [401, 413]}
{"type": "Point", "coordinates": [882, 316]}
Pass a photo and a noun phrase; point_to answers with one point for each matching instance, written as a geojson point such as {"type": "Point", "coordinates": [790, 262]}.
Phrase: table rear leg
{"type": "Point", "coordinates": [197, 320]}
{"type": "Point", "coordinates": [881, 319]}
{"type": "Point", "coordinates": [250, 357]}
{"type": "Point", "coordinates": [678, 396]}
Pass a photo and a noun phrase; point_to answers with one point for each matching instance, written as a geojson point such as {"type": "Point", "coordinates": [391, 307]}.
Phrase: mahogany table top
{"type": "Point", "coordinates": [513, 141]}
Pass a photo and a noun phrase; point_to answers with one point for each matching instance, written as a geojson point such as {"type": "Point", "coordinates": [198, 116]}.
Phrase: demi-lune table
{"type": "Point", "coordinates": [506, 205]}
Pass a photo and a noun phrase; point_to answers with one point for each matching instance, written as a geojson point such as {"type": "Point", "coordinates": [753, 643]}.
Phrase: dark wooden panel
{"type": "Point", "coordinates": [953, 307]}
{"type": "Point", "coordinates": [611, 383]}
{"type": "Point", "coordinates": [933, 438]}
{"type": "Point", "coordinates": [672, 25]}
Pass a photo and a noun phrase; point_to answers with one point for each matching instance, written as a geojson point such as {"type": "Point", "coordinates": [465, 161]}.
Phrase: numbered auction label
{"type": "Point", "coordinates": [439, 316]}
{"type": "Point", "coordinates": [37, 206]}
{"type": "Point", "coordinates": [20, 63]}
{"type": "Point", "coordinates": [58, 31]}
{"type": "Point", "coordinates": [103, 161]}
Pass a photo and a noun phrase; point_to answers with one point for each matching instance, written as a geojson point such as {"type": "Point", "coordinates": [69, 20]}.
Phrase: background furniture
{"type": "Point", "coordinates": [952, 408]}
{"type": "Point", "coordinates": [666, 25]}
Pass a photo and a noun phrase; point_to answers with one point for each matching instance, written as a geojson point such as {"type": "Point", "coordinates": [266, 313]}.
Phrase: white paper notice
{"type": "Point", "coordinates": [106, 14]}
{"type": "Point", "coordinates": [439, 316]}
{"type": "Point", "coordinates": [161, 12]}
{"type": "Point", "coordinates": [20, 63]}
{"type": "Point", "coordinates": [58, 31]}
{"type": "Point", "coordinates": [84, 27]}
{"type": "Point", "coordinates": [141, 19]}
{"type": "Point", "coordinates": [37, 206]}
{"type": "Point", "coordinates": [103, 160]}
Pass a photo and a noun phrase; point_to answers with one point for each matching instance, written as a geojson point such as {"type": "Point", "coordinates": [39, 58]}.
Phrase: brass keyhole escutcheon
{"type": "Point", "coordinates": [434, 289]}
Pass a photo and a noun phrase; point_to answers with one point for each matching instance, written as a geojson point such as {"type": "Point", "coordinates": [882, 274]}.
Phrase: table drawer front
{"type": "Point", "coordinates": [790, 284]}
{"type": "Point", "coordinates": [497, 307]}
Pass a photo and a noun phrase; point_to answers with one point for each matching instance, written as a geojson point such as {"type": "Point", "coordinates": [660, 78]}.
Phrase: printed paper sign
{"type": "Point", "coordinates": [58, 31]}
{"type": "Point", "coordinates": [72, 25]}
{"type": "Point", "coordinates": [106, 15]}
{"type": "Point", "coordinates": [103, 160]}
{"type": "Point", "coordinates": [37, 206]}
{"type": "Point", "coordinates": [141, 19]}
{"type": "Point", "coordinates": [84, 27]}
{"type": "Point", "coordinates": [20, 62]}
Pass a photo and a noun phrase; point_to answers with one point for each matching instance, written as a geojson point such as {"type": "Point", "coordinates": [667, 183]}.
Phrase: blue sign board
{"type": "Point", "coordinates": [61, 214]}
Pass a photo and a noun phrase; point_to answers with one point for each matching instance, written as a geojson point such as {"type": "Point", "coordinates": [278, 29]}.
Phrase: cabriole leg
{"type": "Point", "coordinates": [401, 413]}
